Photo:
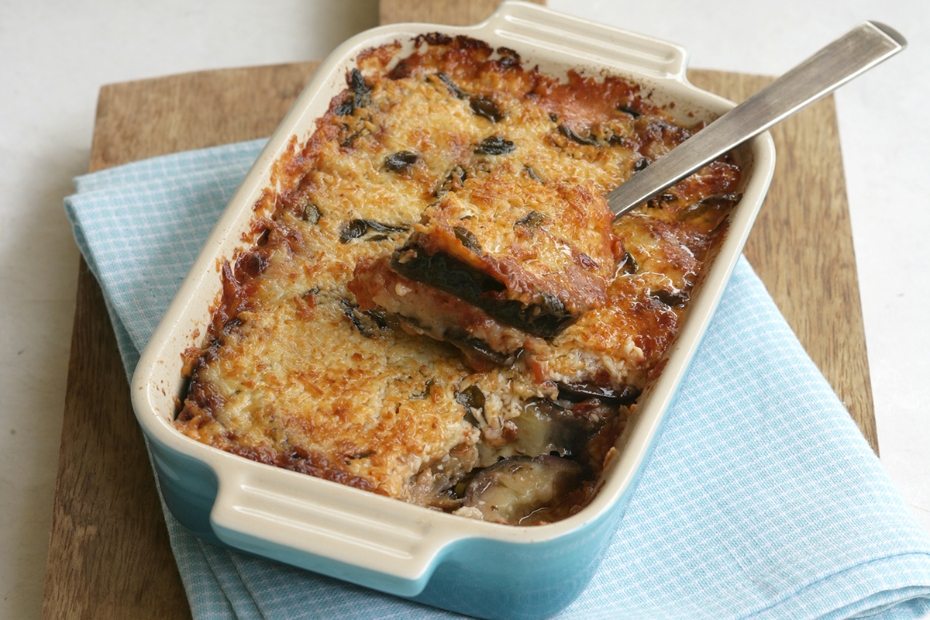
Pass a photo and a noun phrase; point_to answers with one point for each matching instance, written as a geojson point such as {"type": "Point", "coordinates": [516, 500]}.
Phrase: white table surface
{"type": "Point", "coordinates": [55, 55]}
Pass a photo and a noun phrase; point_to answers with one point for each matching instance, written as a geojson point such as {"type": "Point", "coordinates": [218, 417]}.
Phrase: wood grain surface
{"type": "Point", "coordinates": [802, 248]}
{"type": "Point", "coordinates": [451, 12]}
{"type": "Point", "coordinates": [109, 555]}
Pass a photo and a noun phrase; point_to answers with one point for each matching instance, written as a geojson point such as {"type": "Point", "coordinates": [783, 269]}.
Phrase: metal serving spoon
{"type": "Point", "coordinates": [854, 53]}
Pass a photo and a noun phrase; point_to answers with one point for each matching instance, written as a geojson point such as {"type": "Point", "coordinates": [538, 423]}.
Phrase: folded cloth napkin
{"type": "Point", "coordinates": [761, 499]}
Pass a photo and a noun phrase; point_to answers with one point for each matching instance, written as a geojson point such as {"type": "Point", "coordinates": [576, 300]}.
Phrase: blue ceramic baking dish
{"type": "Point", "coordinates": [469, 566]}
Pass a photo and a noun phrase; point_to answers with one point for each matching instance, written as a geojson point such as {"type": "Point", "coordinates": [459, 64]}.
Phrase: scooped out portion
{"type": "Point", "coordinates": [426, 310]}
{"type": "Point", "coordinates": [531, 254]}
{"type": "Point", "coordinates": [498, 265]}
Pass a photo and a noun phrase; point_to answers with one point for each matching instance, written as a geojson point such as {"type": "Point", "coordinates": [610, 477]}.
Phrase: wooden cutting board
{"type": "Point", "coordinates": [109, 554]}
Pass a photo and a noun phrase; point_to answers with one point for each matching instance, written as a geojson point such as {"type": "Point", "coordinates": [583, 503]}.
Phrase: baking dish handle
{"type": "Point", "coordinates": [328, 528]}
{"type": "Point", "coordinates": [537, 26]}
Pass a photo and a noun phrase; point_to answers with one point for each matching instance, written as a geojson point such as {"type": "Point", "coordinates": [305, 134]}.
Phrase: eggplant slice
{"type": "Point", "coordinates": [523, 490]}
{"type": "Point", "coordinates": [545, 317]}
{"type": "Point", "coordinates": [429, 311]}
{"type": "Point", "coordinates": [534, 256]}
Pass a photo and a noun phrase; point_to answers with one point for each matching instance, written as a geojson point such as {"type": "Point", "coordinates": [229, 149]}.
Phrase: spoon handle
{"type": "Point", "coordinates": [857, 51]}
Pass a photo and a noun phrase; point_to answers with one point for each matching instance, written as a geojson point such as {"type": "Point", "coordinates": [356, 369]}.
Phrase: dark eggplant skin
{"type": "Point", "coordinates": [533, 175]}
{"type": "Point", "coordinates": [571, 135]}
{"type": "Point", "coordinates": [454, 179]}
{"type": "Point", "coordinates": [486, 108]}
{"type": "Point", "coordinates": [346, 108]}
{"type": "Point", "coordinates": [480, 105]}
{"type": "Point", "coordinates": [400, 161]}
{"type": "Point", "coordinates": [532, 220]}
{"type": "Point", "coordinates": [368, 322]}
{"type": "Point", "coordinates": [357, 228]}
{"type": "Point", "coordinates": [495, 145]}
{"type": "Point", "coordinates": [629, 265]}
{"type": "Point", "coordinates": [677, 299]}
{"type": "Point", "coordinates": [717, 201]}
{"type": "Point", "coordinates": [577, 392]}
{"type": "Point", "coordinates": [452, 86]}
{"type": "Point", "coordinates": [545, 318]}
{"type": "Point", "coordinates": [360, 87]}
{"type": "Point", "coordinates": [471, 397]}
{"type": "Point", "coordinates": [480, 348]}
{"type": "Point", "coordinates": [467, 239]}
{"type": "Point", "coordinates": [360, 98]}
{"type": "Point", "coordinates": [628, 110]}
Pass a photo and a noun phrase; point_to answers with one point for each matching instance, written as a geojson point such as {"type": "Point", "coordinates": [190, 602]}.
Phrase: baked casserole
{"type": "Point", "coordinates": [436, 304]}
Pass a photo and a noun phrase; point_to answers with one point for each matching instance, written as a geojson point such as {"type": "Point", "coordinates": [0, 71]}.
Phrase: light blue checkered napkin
{"type": "Point", "coordinates": [761, 499]}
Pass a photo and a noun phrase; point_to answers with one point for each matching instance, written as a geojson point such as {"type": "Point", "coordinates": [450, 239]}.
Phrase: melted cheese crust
{"type": "Point", "coordinates": [299, 372]}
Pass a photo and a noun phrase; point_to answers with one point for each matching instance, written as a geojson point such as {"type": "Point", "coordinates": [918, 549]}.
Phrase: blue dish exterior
{"type": "Point", "coordinates": [506, 581]}
{"type": "Point", "coordinates": [523, 582]}
{"type": "Point", "coordinates": [188, 488]}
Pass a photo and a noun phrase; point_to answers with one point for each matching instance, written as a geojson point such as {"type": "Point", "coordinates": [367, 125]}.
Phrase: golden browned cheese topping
{"type": "Point", "coordinates": [324, 359]}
